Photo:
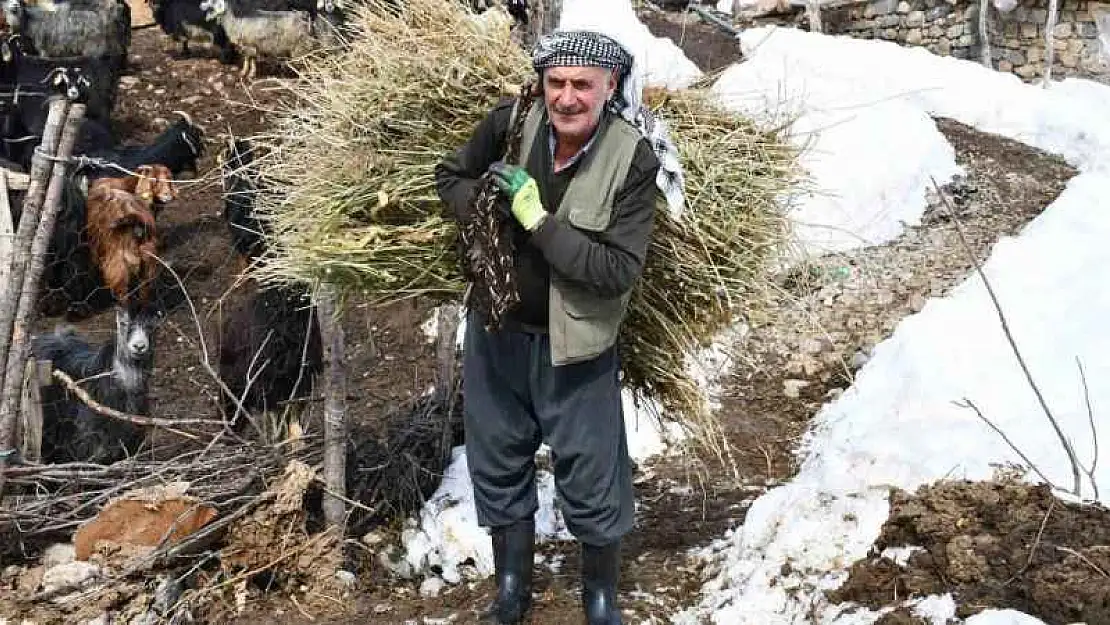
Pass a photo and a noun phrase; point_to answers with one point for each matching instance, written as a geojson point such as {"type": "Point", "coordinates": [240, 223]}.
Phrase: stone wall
{"type": "Point", "coordinates": [951, 28]}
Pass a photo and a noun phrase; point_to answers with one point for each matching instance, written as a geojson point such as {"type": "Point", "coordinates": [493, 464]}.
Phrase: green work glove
{"type": "Point", "coordinates": [521, 188]}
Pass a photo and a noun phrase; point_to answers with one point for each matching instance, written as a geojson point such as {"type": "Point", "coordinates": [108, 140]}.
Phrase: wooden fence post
{"type": "Point", "coordinates": [335, 405]}
{"type": "Point", "coordinates": [38, 375]}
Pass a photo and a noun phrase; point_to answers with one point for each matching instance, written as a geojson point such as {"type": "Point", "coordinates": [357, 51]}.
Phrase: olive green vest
{"type": "Point", "coordinates": [582, 325]}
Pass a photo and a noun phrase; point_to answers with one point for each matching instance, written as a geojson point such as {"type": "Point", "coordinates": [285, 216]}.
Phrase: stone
{"type": "Point", "coordinates": [904, 7]}
{"type": "Point", "coordinates": [936, 13]}
{"type": "Point", "coordinates": [431, 587]}
{"type": "Point", "coordinates": [1028, 31]}
{"type": "Point", "coordinates": [1070, 60]}
{"type": "Point", "coordinates": [944, 47]}
{"type": "Point", "coordinates": [1059, 45]}
{"type": "Point", "coordinates": [69, 576]}
{"type": "Point", "coordinates": [890, 34]}
{"type": "Point", "coordinates": [1027, 71]}
{"type": "Point", "coordinates": [1005, 66]}
{"type": "Point", "coordinates": [346, 578]}
{"type": "Point", "coordinates": [888, 21]}
{"type": "Point", "coordinates": [935, 32]}
{"type": "Point", "coordinates": [915, 18]}
{"type": "Point", "coordinates": [792, 389]}
{"type": "Point", "coordinates": [1085, 29]}
{"type": "Point", "coordinates": [1039, 16]}
{"type": "Point", "coordinates": [955, 30]}
{"type": "Point", "coordinates": [965, 40]}
{"type": "Point", "coordinates": [1035, 54]}
{"type": "Point", "coordinates": [1077, 46]}
{"type": "Point", "coordinates": [1014, 58]}
{"type": "Point", "coordinates": [914, 37]}
{"type": "Point", "coordinates": [1010, 30]}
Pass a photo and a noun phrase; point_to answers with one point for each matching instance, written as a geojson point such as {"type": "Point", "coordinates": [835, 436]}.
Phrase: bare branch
{"type": "Point", "coordinates": [1094, 430]}
{"type": "Point", "coordinates": [1085, 559]}
{"type": "Point", "coordinates": [112, 413]}
{"type": "Point", "coordinates": [967, 403]}
{"type": "Point", "coordinates": [1036, 542]}
{"type": "Point", "coordinates": [1072, 458]}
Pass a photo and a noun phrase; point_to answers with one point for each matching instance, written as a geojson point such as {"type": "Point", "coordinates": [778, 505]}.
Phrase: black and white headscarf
{"type": "Point", "coordinates": [592, 49]}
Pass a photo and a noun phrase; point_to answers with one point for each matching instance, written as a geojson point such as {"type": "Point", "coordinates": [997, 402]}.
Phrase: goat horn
{"type": "Point", "coordinates": [185, 116]}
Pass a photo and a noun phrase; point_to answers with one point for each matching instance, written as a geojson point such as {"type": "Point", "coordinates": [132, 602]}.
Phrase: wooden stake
{"type": "Point", "coordinates": [41, 168]}
{"type": "Point", "coordinates": [17, 347]}
{"type": "Point", "coordinates": [30, 412]}
{"type": "Point", "coordinates": [335, 406]}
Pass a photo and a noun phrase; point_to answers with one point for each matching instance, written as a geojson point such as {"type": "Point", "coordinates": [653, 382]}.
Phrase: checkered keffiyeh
{"type": "Point", "coordinates": [592, 49]}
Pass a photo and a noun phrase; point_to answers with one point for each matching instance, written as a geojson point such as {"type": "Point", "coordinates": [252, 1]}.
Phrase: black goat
{"type": "Point", "coordinates": [185, 21]}
{"type": "Point", "coordinates": [240, 188]}
{"type": "Point", "coordinates": [116, 375]}
{"type": "Point", "coordinates": [270, 351]}
{"type": "Point", "coordinates": [178, 148]}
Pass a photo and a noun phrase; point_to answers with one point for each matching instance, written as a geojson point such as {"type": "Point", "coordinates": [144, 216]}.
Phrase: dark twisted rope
{"type": "Point", "coordinates": [485, 238]}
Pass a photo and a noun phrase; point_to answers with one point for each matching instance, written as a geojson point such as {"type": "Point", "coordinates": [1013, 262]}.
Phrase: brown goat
{"type": "Point", "coordinates": [152, 184]}
{"type": "Point", "coordinates": [122, 238]}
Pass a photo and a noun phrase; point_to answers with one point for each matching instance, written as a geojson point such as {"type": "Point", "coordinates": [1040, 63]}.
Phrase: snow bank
{"type": "Point", "coordinates": [658, 61]}
{"type": "Point", "coordinates": [862, 110]}
{"type": "Point", "coordinates": [447, 536]}
{"type": "Point", "coordinates": [898, 425]}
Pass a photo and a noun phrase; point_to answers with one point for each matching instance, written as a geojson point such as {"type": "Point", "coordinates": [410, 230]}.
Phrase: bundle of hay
{"type": "Point", "coordinates": [355, 201]}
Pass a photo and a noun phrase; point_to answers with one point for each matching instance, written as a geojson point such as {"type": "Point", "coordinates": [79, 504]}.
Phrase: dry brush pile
{"type": "Point", "coordinates": [354, 200]}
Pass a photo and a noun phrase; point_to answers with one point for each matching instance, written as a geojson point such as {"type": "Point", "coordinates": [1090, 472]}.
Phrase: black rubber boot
{"type": "Point", "coordinates": [601, 567]}
{"type": "Point", "coordinates": [512, 564]}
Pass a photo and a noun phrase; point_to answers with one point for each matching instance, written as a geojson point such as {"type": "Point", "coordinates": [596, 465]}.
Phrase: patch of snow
{"type": "Point", "coordinates": [900, 555]}
{"type": "Point", "coordinates": [899, 425]}
{"type": "Point", "coordinates": [658, 61]}
{"type": "Point", "coordinates": [937, 609]}
{"type": "Point", "coordinates": [1004, 617]}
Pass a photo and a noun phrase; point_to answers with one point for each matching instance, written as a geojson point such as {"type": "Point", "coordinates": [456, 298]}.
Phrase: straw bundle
{"type": "Point", "coordinates": [354, 200]}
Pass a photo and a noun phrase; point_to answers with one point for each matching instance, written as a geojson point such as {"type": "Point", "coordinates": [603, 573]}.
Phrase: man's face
{"type": "Point", "coordinates": [575, 98]}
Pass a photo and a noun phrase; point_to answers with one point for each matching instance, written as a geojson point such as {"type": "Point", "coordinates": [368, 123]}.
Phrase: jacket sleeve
{"type": "Point", "coordinates": [458, 173]}
{"type": "Point", "coordinates": [610, 262]}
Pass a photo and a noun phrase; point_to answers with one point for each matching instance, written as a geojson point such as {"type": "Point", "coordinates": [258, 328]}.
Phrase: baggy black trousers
{"type": "Point", "coordinates": [514, 399]}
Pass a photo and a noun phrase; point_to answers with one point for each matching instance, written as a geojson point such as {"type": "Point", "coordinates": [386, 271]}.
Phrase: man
{"type": "Point", "coordinates": [582, 199]}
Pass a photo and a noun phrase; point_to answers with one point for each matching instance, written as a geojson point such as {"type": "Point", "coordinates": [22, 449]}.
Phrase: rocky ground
{"type": "Point", "coordinates": [824, 322]}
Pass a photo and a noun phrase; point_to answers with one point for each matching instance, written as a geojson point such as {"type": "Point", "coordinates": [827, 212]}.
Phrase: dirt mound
{"type": "Point", "coordinates": [992, 545]}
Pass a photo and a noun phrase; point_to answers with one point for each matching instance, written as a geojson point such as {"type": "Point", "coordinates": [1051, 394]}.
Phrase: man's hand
{"type": "Point", "coordinates": [521, 188]}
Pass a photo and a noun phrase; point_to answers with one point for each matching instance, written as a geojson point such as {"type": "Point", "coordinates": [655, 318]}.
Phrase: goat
{"type": "Point", "coordinates": [270, 350]}
{"type": "Point", "coordinates": [279, 34]}
{"type": "Point", "coordinates": [245, 228]}
{"type": "Point", "coordinates": [98, 29]}
{"type": "Point", "coordinates": [116, 374]}
{"type": "Point", "coordinates": [123, 240]}
{"type": "Point", "coordinates": [34, 81]}
{"type": "Point", "coordinates": [185, 21]}
{"type": "Point", "coordinates": [103, 247]}
{"type": "Point", "coordinates": [178, 149]}
{"type": "Point", "coordinates": [152, 184]}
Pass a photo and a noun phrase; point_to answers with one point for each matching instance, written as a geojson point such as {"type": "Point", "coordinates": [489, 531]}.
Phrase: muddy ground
{"type": "Point", "coordinates": [820, 331]}
{"type": "Point", "coordinates": [992, 545]}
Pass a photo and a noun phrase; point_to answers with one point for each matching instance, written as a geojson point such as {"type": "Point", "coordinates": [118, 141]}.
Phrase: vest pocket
{"type": "Point", "coordinates": [591, 323]}
{"type": "Point", "coordinates": [590, 218]}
